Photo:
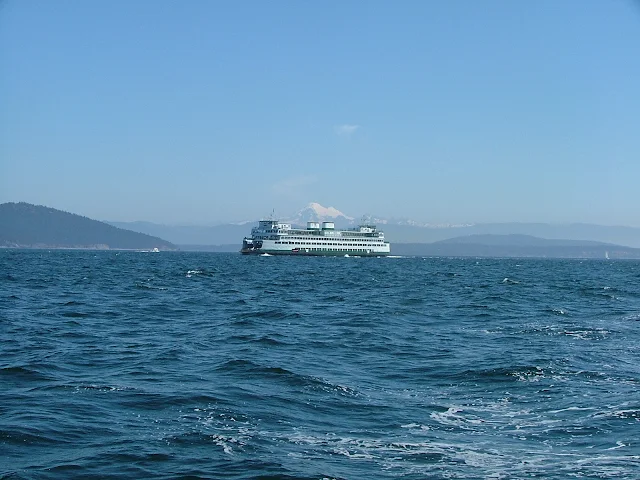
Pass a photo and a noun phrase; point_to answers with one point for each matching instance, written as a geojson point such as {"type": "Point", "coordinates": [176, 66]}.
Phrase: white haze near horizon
{"type": "Point", "coordinates": [439, 112]}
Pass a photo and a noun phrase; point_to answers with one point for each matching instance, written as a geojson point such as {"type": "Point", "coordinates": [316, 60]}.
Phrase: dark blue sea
{"type": "Point", "coordinates": [200, 365]}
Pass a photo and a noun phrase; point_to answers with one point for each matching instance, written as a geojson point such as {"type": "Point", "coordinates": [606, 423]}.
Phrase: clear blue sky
{"type": "Point", "coordinates": [206, 111]}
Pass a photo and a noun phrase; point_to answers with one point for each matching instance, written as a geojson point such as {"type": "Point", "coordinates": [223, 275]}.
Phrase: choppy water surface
{"type": "Point", "coordinates": [168, 365]}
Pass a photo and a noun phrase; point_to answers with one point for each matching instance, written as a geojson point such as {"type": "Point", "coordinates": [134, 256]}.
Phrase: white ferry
{"type": "Point", "coordinates": [319, 238]}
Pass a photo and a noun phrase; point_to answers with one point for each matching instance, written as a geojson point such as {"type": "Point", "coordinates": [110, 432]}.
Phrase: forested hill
{"type": "Point", "coordinates": [29, 226]}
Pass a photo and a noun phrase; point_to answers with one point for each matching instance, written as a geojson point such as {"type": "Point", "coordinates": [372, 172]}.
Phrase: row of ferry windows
{"type": "Point", "coordinates": [338, 250]}
{"type": "Point", "coordinates": [346, 239]}
{"type": "Point", "coordinates": [300, 238]}
{"type": "Point", "coordinates": [327, 244]}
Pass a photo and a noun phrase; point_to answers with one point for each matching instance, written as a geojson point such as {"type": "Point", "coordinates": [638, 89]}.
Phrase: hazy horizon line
{"type": "Point", "coordinates": [421, 224]}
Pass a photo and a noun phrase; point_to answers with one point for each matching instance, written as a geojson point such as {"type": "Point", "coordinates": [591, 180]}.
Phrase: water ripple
{"type": "Point", "coordinates": [131, 365]}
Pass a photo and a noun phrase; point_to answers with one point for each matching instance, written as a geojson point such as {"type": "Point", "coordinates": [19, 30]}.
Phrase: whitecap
{"type": "Point", "coordinates": [347, 453]}
{"type": "Point", "coordinates": [619, 444]}
{"type": "Point", "coordinates": [451, 418]}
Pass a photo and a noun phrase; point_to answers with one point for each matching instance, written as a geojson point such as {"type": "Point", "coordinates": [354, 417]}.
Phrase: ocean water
{"type": "Point", "coordinates": [194, 365]}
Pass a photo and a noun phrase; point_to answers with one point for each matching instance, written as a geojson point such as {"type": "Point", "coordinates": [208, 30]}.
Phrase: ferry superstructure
{"type": "Point", "coordinates": [319, 238]}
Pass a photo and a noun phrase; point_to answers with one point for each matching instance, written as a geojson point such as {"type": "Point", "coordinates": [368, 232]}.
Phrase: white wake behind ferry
{"type": "Point", "coordinates": [319, 238]}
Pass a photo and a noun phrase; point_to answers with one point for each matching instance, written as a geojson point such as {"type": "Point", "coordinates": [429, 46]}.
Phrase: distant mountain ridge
{"type": "Point", "coordinates": [26, 225]}
{"type": "Point", "coordinates": [544, 249]}
{"type": "Point", "coordinates": [493, 246]}
{"type": "Point", "coordinates": [519, 246]}
{"type": "Point", "coordinates": [23, 225]}
{"type": "Point", "coordinates": [191, 235]}
{"type": "Point", "coordinates": [518, 240]}
{"type": "Point", "coordinates": [396, 230]}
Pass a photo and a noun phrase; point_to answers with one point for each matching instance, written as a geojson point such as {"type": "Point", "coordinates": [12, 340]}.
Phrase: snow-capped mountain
{"type": "Point", "coordinates": [314, 212]}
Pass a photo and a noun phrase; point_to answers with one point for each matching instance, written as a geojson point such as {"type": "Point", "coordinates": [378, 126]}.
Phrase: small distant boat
{"type": "Point", "coordinates": [606, 255]}
{"type": "Point", "coordinates": [156, 249]}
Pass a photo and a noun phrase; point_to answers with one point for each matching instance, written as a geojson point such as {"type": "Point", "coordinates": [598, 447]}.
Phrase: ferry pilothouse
{"type": "Point", "coordinates": [319, 238]}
